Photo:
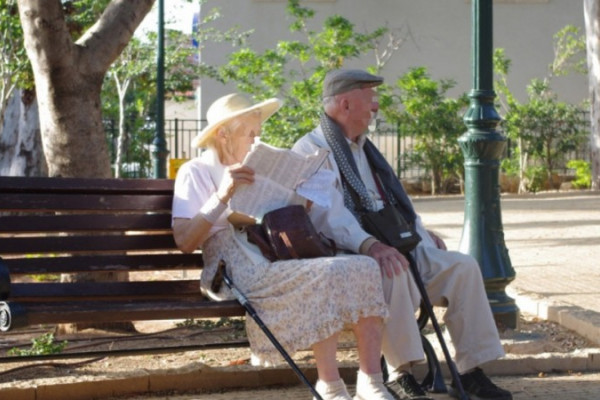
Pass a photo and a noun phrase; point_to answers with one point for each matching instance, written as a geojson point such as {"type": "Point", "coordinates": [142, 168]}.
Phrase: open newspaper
{"type": "Point", "coordinates": [278, 173]}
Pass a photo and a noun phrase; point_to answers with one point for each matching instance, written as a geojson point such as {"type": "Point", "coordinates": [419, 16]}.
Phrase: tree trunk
{"type": "Point", "coordinates": [20, 142]}
{"type": "Point", "coordinates": [68, 78]}
{"type": "Point", "coordinates": [592, 30]}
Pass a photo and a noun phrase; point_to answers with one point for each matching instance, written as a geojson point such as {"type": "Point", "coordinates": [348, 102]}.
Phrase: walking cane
{"type": "Point", "coordinates": [221, 276]}
{"type": "Point", "coordinates": [429, 309]}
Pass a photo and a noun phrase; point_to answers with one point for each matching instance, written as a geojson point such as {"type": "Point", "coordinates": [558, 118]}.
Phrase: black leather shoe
{"type": "Point", "coordinates": [406, 387]}
{"type": "Point", "coordinates": [479, 387]}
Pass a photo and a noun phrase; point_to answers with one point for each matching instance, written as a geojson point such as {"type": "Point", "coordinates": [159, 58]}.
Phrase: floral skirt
{"type": "Point", "coordinates": [302, 302]}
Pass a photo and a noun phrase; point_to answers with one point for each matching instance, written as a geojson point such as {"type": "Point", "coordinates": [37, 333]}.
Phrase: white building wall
{"type": "Point", "coordinates": [440, 37]}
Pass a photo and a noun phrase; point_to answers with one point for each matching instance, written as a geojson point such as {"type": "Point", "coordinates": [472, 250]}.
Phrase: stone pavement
{"type": "Point", "coordinates": [554, 247]}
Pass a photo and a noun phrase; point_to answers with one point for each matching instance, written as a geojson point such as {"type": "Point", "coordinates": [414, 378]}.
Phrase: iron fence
{"type": "Point", "coordinates": [396, 147]}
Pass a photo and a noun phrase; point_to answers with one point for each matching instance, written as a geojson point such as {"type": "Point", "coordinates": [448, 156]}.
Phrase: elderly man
{"type": "Point", "coordinates": [365, 181]}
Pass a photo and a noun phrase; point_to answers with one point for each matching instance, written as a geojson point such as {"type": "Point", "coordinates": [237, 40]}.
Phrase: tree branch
{"type": "Point", "coordinates": [103, 42]}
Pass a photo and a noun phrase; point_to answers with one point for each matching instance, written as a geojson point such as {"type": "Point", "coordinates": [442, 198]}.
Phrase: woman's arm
{"type": "Point", "coordinates": [190, 233]}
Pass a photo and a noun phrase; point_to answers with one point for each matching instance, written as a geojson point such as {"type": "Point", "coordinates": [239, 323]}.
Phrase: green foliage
{"type": "Point", "coordinates": [536, 178]}
{"type": "Point", "coordinates": [46, 277]}
{"type": "Point", "coordinates": [510, 165]}
{"type": "Point", "coordinates": [543, 128]}
{"type": "Point", "coordinates": [583, 173]}
{"type": "Point", "coordinates": [569, 52]}
{"type": "Point", "coordinates": [43, 345]}
{"type": "Point", "coordinates": [129, 92]}
{"type": "Point", "coordinates": [15, 70]}
{"type": "Point", "coordinates": [294, 70]}
{"type": "Point", "coordinates": [433, 120]}
{"type": "Point", "coordinates": [134, 75]}
{"type": "Point", "coordinates": [82, 14]}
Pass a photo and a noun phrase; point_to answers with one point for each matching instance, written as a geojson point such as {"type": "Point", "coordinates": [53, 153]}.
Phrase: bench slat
{"type": "Point", "coordinates": [85, 222]}
{"type": "Point", "coordinates": [82, 291]}
{"type": "Point", "coordinates": [109, 311]}
{"type": "Point", "coordinates": [12, 184]}
{"type": "Point", "coordinates": [88, 243]}
{"type": "Point", "coordinates": [85, 202]}
{"type": "Point", "coordinates": [102, 263]}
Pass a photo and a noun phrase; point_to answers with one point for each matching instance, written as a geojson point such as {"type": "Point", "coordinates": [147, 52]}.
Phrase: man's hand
{"type": "Point", "coordinates": [390, 260]}
{"type": "Point", "coordinates": [439, 242]}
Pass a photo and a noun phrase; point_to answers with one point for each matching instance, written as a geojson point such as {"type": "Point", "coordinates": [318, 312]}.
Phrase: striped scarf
{"type": "Point", "coordinates": [354, 188]}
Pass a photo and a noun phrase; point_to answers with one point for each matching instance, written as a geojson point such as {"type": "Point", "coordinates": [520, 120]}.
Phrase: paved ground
{"type": "Point", "coordinates": [554, 247]}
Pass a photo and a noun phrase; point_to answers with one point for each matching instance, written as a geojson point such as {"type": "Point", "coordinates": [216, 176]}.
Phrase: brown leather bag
{"type": "Point", "coordinates": [287, 233]}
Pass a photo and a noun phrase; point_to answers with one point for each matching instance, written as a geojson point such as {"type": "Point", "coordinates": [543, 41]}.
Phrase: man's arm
{"type": "Point", "coordinates": [340, 224]}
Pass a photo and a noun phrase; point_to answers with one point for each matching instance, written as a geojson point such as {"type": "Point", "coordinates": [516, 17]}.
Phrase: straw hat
{"type": "Point", "coordinates": [227, 108]}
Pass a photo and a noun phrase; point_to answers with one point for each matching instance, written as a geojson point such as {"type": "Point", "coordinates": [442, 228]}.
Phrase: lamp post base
{"type": "Point", "coordinates": [504, 309]}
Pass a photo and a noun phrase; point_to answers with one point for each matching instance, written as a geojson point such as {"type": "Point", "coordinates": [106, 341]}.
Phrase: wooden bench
{"type": "Point", "coordinates": [53, 226]}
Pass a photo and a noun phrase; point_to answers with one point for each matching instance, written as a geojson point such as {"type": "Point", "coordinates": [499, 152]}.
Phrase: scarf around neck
{"type": "Point", "coordinates": [393, 189]}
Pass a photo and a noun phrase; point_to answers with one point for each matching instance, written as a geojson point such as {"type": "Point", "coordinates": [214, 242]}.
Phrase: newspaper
{"type": "Point", "coordinates": [278, 174]}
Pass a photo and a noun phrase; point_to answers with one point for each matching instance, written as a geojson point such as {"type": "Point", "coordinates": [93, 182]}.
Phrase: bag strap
{"type": "Point", "coordinates": [354, 194]}
{"type": "Point", "coordinates": [379, 184]}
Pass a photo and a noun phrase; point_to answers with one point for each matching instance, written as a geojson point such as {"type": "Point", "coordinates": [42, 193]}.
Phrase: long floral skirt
{"type": "Point", "coordinates": [302, 302]}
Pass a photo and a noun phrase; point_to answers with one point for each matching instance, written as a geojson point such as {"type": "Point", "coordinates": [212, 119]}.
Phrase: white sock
{"type": "Point", "coordinates": [370, 387]}
{"type": "Point", "coordinates": [335, 390]}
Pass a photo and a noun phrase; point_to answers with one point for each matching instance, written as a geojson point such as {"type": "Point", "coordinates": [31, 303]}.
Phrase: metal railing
{"type": "Point", "coordinates": [396, 148]}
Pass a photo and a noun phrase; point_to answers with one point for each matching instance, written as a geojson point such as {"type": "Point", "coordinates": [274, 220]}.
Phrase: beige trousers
{"type": "Point", "coordinates": [453, 280]}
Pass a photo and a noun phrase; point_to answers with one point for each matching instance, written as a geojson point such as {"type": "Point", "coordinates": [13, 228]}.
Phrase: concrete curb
{"type": "Point", "coordinates": [585, 322]}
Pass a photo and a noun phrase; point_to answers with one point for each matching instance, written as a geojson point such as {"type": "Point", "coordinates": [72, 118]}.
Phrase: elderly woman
{"type": "Point", "coordinates": [305, 302]}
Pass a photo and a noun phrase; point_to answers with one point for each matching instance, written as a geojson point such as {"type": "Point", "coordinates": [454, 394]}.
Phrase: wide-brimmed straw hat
{"type": "Point", "coordinates": [230, 106]}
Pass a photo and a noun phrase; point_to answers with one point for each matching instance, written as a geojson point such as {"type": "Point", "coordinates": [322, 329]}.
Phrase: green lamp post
{"type": "Point", "coordinates": [159, 145]}
{"type": "Point", "coordinates": [483, 146]}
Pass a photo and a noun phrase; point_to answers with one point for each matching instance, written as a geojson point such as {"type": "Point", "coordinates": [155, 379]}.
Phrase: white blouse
{"type": "Point", "coordinates": [197, 180]}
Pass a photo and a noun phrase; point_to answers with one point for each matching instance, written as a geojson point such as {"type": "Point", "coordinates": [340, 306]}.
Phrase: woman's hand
{"type": "Point", "coordinates": [234, 176]}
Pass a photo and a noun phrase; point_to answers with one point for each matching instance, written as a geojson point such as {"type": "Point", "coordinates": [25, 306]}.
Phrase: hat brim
{"type": "Point", "coordinates": [266, 108]}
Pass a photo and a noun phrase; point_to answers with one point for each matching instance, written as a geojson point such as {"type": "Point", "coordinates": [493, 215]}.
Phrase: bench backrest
{"type": "Point", "coordinates": [51, 226]}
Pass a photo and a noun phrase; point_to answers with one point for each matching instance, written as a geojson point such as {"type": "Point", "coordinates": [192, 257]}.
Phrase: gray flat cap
{"type": "Point", "coordinates": [343, 80]}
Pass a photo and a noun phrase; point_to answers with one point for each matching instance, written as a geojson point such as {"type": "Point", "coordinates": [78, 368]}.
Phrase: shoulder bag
{"type": "Point", "coordinates": [388, 225]}
{"type": "Point", "coordinates": [287, 233]}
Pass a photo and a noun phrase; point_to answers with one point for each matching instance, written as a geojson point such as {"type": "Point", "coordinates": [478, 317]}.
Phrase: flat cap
{"type": "Point", "coordinates": [343, 80]}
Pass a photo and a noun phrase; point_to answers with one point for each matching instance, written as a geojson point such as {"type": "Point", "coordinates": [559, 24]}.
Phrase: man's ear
{"type": "Point", "coordinates": [345, 104]}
